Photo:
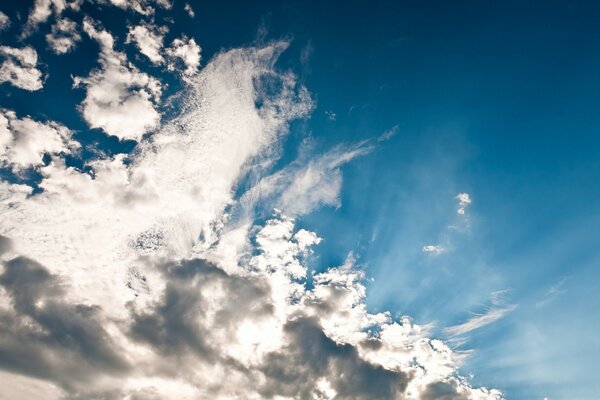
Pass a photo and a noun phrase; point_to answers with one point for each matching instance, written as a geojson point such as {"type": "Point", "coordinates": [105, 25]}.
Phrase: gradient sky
{"type": "Point", "coordinates": [494, 99]}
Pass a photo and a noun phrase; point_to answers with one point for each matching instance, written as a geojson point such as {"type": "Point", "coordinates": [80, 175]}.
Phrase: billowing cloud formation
{"type": "Point", "coordinates": [186, 51]}
{"type": "Point", "coordinates": [43, 9]}
{"type": "Point", "coordinates": [19, 67]}
{"type": "Point", "coordinates": [24, 142]}
{"type": "Point", "coordinates": [149, 40]}
{"type": "Point", "coordinates": [119, 99]}
{"type": "Point", "coordinates": [63, 36]}
{"type": "Point", "coordinates": [141, 276]}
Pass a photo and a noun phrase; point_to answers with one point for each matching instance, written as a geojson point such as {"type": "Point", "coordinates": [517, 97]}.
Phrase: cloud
{"type": "Point", "coordinates": [149, 40]}
{"type": "Point", "coordinates": [331, 116]}
{"type": "Point", "coordinates": [19, 68]}
{"type": "Point", "coordinates": [187, 51]}
{"type": "Point", "coordinates": [433, 249]}
{"type": "Point", "coordinates": [464, 200]}
{"type": "Point", "coordinates": [302, 187]}
{"type": "Point", "coordinates": [63, 36]}
{"type": "Point", "coordinates": [114, 284]}
{"type": "Point", "coordinates": [24, 142]}
{"type": "Point", "coordinates": [120, 99]}
{"type": "Point", "coordinates": [189, 10]}
{"type": "Point", "coordinates": [43, 9]}
{"type": "Point", "coordinates": [4, 21]}
{"type": "Point", "coordinates": [496, 311]}
{"type": "Point", "coordinates": [143, 7]}
{"type": "Point", "coordinates": [552, 293]}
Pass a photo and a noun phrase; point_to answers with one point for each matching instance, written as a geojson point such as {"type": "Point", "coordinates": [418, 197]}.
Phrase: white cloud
{"type": "Point", "coordinates": [464, 200]}
{"type": "Point", "coordinates": [188, 52]}
{"type": "Point", "coordinates": [149, 40]}
{"type": "Point", "coordinates": [189, 10]}
{"type": "Point", "coordinates": [143, 7]}
{"type": "Point", "coordinates": [19, 67]}
{"type": "Point", "coordinates": [23, 141]}
{"type": "Point", "coordinates": [63, 36]}
{"type": "Point", "coordinates": [552, 293]}
{"type": "Point", "coordinates": [433, 249]}
{"type": "Point", "coordinates": [331, 116]}
{"type": "Point", "coordinates": [496, 311]}
{"type": "Point", "coordinates": [304, 186]}
{"type": "Point", "coordinates": [43, 9]}
{"type": "Point", "coordinates": [4, 21]}
{"type": "Point", "coordinates": [120, 99]}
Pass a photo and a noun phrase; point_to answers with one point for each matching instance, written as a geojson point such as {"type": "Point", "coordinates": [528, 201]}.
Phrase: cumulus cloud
{"type": "Point", "coordinates": [188, 9]}
{"type": "Point", "coordinates": [43, 9]}
{"type": "Point", "coordinates": [24, 142]}
{"type": "Point", "coordinates": [433, 249]}
{"type": "Point", "coordinates": [149, 40]}
{"type": "Point", "coordinates": [4, 21]}
{"type": "Point", "coordinates": [464, 200]}
{"type": "Point", "coordinates": [114, 282]}
{"type": "Point", "coordinates": [143, 7]}
{"type": "Point", "coordinates": [120, 99]}
{"type": "Point", "coordinates": [184, 50]}
{"type": "Point", "coordinates": [19, 67]}
{"type": "Point", "coordinates": [63, 36]}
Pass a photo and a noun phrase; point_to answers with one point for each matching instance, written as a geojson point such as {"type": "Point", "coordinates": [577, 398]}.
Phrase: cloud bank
{"type": "Point", "coordinates": [148, 275]}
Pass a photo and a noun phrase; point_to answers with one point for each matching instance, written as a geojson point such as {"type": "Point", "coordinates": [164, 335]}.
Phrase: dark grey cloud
{"type": "Point", "coordinates": [46, 337]}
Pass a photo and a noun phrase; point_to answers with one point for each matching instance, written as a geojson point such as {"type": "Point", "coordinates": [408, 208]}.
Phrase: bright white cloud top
{"type": "Point", "coordinates": [144, 276]}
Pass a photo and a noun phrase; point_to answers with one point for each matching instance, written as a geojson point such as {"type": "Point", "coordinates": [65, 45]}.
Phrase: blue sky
{"type": "Point", "coordinates": [494, 99]}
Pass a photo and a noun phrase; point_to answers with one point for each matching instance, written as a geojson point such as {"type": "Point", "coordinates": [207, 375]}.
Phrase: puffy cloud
{"type": "Point", "coordinates": [24, 142]}
{"type": "Point", "coordinates": [120, 99]}
{"type": "Point", "coordinates": [149, 40]}
{"type": "Point", "coordinates": [188, 9]}
{"type": "Point", "coordinates": [464, 200]}
{"type": "Point", "coordinates": [4, 21]}
{"type": "Point", "coordinates": [433, 249]}
{"type": "Point", "coordinates": [19, 67]}
{"type": "Point", "coordinates": [43, 9]}
{"type": "Point", "coordinates": [63, 36]}
{"type": "Point", "coordinates": [144, 7]}
{"type": "Point", "coordinates": [188, 52]}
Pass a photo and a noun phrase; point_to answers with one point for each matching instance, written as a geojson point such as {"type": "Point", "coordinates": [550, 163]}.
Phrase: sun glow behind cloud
{"type": "Point", "coordinates": [145, 276]}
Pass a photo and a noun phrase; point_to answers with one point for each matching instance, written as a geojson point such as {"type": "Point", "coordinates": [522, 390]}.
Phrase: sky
{"type": "Point", "coordinates": [299, 200]}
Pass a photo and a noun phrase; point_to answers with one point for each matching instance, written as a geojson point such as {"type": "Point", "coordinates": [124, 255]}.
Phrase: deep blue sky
{"type": "Point", "coordinates": [499, 99]}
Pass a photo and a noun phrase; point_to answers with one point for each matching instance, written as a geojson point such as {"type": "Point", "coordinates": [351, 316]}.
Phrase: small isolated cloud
{"type": "Point", "coordinates": [433, 249]}
{"type": "Point", "coordinates": [464, 200]}
{"type": "Point", "coordinates": [149, 40]}
{"type": "Point", "coordinates": [186, 51]}
{"type": "Point", "coordinates": [120, 99]}
{"type": "Point", "coordinates": [189, 10]}
{"type": "Point", "coordinates": [19, 68]}
{"type": "Point", "coordinates": [4, 21]}
{"type": "Point", "coordinates": [63, 36]}
{"type": "Point", "coordinates": [43, 9]}
{"type": "Point", "coordinates": [552, 293]}
{"type": "Point", "coordinates": [24, 142]}
{"type": "Point", "coordinates": [331, 116]}
{"type": "Point", "coordinates": [389, 133]}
